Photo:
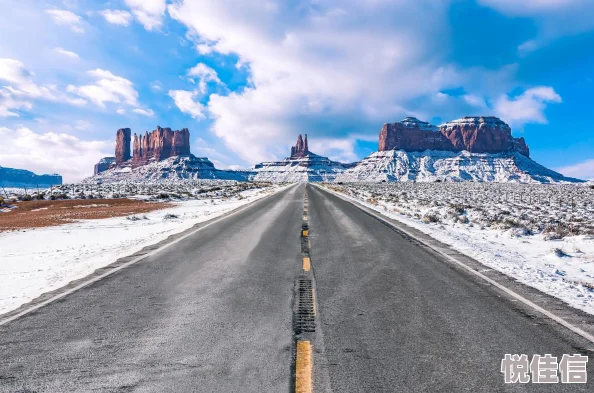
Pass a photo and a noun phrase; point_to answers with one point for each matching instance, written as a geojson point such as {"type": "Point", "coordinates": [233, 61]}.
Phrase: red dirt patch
{"type": "Point", "coordinates": [36, 214]}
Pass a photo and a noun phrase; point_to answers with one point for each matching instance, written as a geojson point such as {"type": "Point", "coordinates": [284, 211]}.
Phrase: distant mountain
{"type": "Point", "coordinates": [432, 165]}
{"type": "Point", "coordinates": [174, 168]}
{"type": "Point", "coordinates": [479, 148]}
{"type": "Point", "coordinates": [10, 177]}
{"type": "Point", "coordinates": [301, 166]}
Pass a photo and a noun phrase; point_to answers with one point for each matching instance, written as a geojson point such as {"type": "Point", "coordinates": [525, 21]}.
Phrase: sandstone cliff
{"type": "Point", "coordinates": [160, 144]}
{"type": "Point", "coordinates": [122, 150]}
{"type": "Point", "coordinates": [300, 149]}
{"type": "Point", "coordinates": [473, 134]}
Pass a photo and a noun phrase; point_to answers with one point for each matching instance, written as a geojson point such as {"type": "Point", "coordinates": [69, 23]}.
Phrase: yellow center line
{"type": "Point", "coordinates": [306, 264]}
{"type": "Point", "coordinates": [304, 368]}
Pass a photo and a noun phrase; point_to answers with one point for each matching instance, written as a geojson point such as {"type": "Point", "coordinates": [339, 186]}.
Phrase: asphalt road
{"type": "Point", "coordinates": [213, 313]}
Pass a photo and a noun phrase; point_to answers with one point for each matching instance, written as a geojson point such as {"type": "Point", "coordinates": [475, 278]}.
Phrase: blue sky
{"type": "Point", "coordinates": [247, 77]}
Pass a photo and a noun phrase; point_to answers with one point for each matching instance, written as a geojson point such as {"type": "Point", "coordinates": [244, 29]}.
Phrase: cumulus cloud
{"type": "Point", "coordinates": [21, 90]}
{"type": "Point", "coordinates": [581, 170]}
{"type": "Point", "coordinates": [66, 53]}
{"type": "Point", "coordinates": [528, 107]}
{"type": "Point", "coordinates": [204, 74]}
{"type": "Point", "coordinates": [117, 17]}
{"type": "Point", "coordinates": [107, 88]}
{"type": "Point", "coordinates": [148, 12]}
{"type": "Point", "coordinates": [51, 152]}
{"type": "Point", "coordinates": [187, 102]}
{"type": "Point", "coordinates": [144, 112]}
{"type": "Point", "coordinates": [308, 63]}
{"type": "Point", "coordinates": [66, 18]}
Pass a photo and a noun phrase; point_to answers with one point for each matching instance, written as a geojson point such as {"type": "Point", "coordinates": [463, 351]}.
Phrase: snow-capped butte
{"type": "Point", "coordinates": [431, 165]}
{"type": "Point", "coordinates": [301, 166]}
{"type": "Point", "coordinates": [174, 169]}
{"type": "Point", "coordinates": [475, 148]}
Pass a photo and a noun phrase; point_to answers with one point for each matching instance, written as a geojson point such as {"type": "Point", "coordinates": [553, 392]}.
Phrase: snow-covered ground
{"type": "Point", "coordinates": [541, 235]}
{"type": "Point", "coordinates": [435, 165]}
{"type": "Point", "coordinates": [36, 261]}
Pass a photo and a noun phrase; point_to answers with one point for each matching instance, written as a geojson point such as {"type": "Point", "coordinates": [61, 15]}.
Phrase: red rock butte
{"type": "Point", "coordinates": [300, 149]}
{"type": "Point", "coordinates": [481, 134]}
{"type": "Point", "coordinates": [156, 145]}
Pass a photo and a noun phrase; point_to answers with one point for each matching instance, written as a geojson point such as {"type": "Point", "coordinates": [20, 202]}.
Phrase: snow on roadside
{"type": "Point", "coordinates": [40, 260]}
{"type": "Point", "coordinates": [563, 268]}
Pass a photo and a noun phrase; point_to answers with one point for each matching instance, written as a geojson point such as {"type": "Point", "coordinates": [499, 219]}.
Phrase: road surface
{"type": "Point", "coordinates": [214, 313]}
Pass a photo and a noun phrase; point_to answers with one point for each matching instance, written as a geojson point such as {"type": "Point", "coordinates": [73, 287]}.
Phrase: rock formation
{"type": "Point", "coordinates": [122, 150]}
{"type": "Point", "coordinates": [473, 134]}
{"type": "Point", "coordinates": [300, 149]}
{"type": "Point", "coordinates": [104, 164]}
{"type": "Point", "coordinates": [411, 134]}
{"type": "Point", "coordinates": [160, 144]}
{"type": "Point", "coordinates": [483, 135]}
{"type": "Point", "coordinates": [157, 145]}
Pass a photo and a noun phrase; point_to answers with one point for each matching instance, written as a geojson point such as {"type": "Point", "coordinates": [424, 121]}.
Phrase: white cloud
{"type": "Point", "coordinates": [21, 90]}
{"type": "Point", "coordinates": [14, 71]}
{"type": "Point", "coordinates": [148, 12]}
{"type": "Point", "coordinates": [204, 49]}
{"type": "Point", "coordinates": [66, 53]}
{"type": "Point", "coordinates": [475, 100]}
{"type": "Point", "coordinates": [82, 125]}
{"type": "Point", "coordinates": [107, 88]}
{"type": "Point", "coordinates": [204, 74]}
{"type": "Point", "coordinates": [157, 86]}
{"type": "Point", "coordinates": [144, 112]}
{"type": "Point", "coordinates": [336, 149]}
{"type": "Point", "coordinates": [121, 111]}
{"type": "Point", "coordinates": [582, 170]}
{"type": "Point", "coordinates": [319, 66]}
{"type": "Point", "coordinates": [51, 152]}
{"type": "Point", "coordinates": [66, 18]}
{"type": "Point", "coordinates": [186, 102]}
{"type": "Point", "coordinates": [8, 104]}
{"type": "Point", "coordinates": [528, 107]}
{"type": "Point", "coordinates": [117, 17]}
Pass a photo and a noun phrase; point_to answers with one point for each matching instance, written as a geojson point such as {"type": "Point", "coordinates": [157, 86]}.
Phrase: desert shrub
{"type": "Point", "coordinates": [27, 197]}
{"type": "Point", "coordinates": [521, 231]}
{"type": "Point", "coordinates": [559, 252]}
{"type": "Point", "coordinates": [430, 218]}
{"type": "Point", "coordinates": [163, 196]}
{"type": "Point", "coordinates": [1, 201]}
{"type": "Point", "coordinates": [552, 236]}
{"type": "Point", "coordinates": [170, 216]}
{"type": "Point", "coordinates": [458, 208]}
{"type": "Point", "coordinates": [40, 197]}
